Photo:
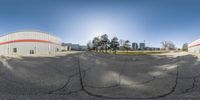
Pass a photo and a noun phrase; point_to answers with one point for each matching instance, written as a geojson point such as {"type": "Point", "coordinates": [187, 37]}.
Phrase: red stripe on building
{"type": "Point", "coordinates": [28, 40]}
{"type": "Point", "coordinates": [194, 45]}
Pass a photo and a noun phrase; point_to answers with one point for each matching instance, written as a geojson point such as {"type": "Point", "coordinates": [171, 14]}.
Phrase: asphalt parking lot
{"type": "Point", "coordinates": [91, 76]}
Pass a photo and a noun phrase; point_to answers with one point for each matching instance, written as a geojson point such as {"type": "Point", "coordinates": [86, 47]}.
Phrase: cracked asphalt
{"type": "Point", "coordinates": [92, 76]}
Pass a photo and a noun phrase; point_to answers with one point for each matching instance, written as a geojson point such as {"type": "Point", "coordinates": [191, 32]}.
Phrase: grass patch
{"type": "Point", "coordinates": [134, 52]}
{"type": "Point", "coordinates": [139, 52]}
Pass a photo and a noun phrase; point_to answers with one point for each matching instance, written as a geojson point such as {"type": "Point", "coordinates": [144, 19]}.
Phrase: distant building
{"type": "Point", "coordinates": [75, 47]}
{"type": "Point", "coordinates": [83, 48]}
{"type": "Point", "coordinates": [134, 46]}
{"type": "Point", "coordinates": [66, 47]}
{"type": "Point", "coordinates": [142, 46]}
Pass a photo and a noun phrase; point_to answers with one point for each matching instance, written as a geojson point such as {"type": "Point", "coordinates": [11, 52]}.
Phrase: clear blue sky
{"type": "Point", "coordinates": [79, 21]}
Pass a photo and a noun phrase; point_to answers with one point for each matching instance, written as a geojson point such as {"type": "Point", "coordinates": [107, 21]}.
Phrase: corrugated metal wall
{"type": "Point", "coordinates": [194, 47]}
{"type": "Point", "coordinates": [26, 43]}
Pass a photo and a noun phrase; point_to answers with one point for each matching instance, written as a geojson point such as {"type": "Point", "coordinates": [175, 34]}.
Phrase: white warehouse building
{"type": "Point", "coordinates": [29, 43]}
{"type": "Point", "coordinates": [194, 47]}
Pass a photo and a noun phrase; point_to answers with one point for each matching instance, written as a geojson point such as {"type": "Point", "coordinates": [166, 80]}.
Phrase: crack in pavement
{"type": "Point", "coordinates": [83, 87]}
{"type": "Point", "coordinates": [190, 88]}
{"type": "Point", "coordinates": [111, 97]}
{"type": "Point", "coordinates": [67, 83]}
{"type": "Point", "coordinates": [81, 75]}
{"type": "Point", "coordinates": [119, 83]}
{"type": "Point", "coordinates": [194, 78]}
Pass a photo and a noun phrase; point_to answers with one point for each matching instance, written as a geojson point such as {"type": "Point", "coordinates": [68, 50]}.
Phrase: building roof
{"type": "Point", "coordinates": [30, 31]}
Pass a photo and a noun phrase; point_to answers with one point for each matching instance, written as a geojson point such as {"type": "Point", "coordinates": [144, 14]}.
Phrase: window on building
{"type": "Point", "coordinates": [32, 52]}
{"type": "Point", "coordinates": [15, 50]}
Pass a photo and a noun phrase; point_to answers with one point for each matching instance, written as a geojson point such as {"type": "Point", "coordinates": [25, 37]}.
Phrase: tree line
{"type": "Point", "coordinates": [103, 44]}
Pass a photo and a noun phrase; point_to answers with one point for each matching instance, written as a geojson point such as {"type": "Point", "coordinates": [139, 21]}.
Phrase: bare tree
{"type": "Point", "coordinates": [114, 45]}
{"type": "Point", "coordinates": [127, 45]}
{"type": "Point", "coordinates": [168, 45]}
